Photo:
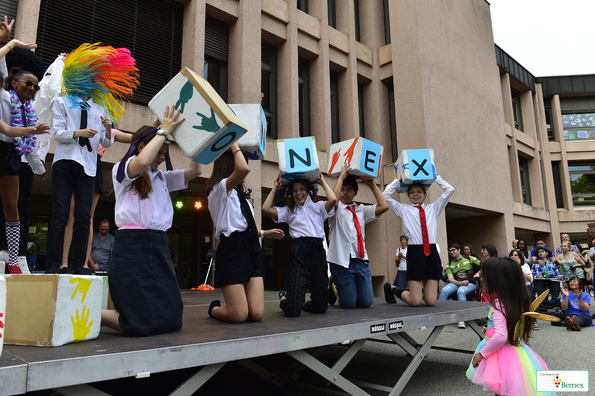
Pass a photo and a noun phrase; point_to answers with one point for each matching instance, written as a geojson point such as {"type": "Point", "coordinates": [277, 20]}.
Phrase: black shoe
{"type": "Point", "coordinates": [80, 270]}
{"type": "Point", "coordinates": [54, 269]}
{"type": "Point", "coordinates": [214, 303]}
{"type": "Point", "coordinates": [308, 307]}
{"type": "Point", "coordinates": [388, 294]}
{"type": "Point", "coordinates": [65, 270]}
{"type": "Point", "coordinates": [332, 299]}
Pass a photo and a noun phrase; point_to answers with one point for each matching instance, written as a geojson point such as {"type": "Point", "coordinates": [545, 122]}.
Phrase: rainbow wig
{"type": "Point", "coordinates": [106, 74]}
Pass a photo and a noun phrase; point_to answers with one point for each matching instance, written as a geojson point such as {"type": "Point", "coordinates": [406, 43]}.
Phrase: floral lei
{"type": "Point", "coordinates": [23, 144]}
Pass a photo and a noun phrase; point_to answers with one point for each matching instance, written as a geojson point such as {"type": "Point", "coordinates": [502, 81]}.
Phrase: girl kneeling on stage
{"type": "Point", "coordinates": [142, 280]}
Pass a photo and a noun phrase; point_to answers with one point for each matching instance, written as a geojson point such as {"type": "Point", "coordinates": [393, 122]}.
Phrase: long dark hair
{"type": "Point", "coordinates": [525, 250]}
{"type": "Point", "coordinates": [223, 167]}
{"type": "Point", "coordinates": [503, 277]}
{"type": "Point", "coordinates": [520, 253]}
{"type": "Point", "coordinates": [491, 249]}
{"type": "Point", "coordinates": [289, 192]}
{"type": "Point", "coordinates": [142, 185]}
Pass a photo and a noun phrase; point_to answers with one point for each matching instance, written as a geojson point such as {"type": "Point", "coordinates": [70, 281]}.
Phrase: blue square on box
{"type": "Point", "coordinates": [419, 163]}
{"type": "Point", "coordinates": [371, 157]}
{"type": "Point", "coordinates": [299, 155]}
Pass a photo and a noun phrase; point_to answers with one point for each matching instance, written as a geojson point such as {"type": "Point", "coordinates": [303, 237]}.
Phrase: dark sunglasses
{"type": "Point", "coordinates": [30, 84]}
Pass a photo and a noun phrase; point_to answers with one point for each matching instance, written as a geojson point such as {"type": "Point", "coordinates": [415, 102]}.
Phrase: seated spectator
{"type": "Point", "coordinates": [468, 251]}
{"type": "Point", "coordinates": [573, 248]}
{"type": "Point", "coordinates": [575, 303]}
{"type": "Point", "coordinates": [522, 246]}
{"type": "Point", "coordinates": [460, 271]}
{"type": "Point", "coordinates": [543, 271]}
{"type": "Point", "coordinates": [514, 243]}
{"type": "Point", "coordinates": [571, 263]}
{"type": "Point", "coordinates": [101, 248]}
{"type": "Point", "coordinates": [540, 243]}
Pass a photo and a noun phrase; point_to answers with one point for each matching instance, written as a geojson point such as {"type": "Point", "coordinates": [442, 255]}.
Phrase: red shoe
{"type": "Point", "coordinates": [12, 269]}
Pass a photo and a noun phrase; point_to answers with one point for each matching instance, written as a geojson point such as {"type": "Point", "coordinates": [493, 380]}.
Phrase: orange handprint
{"type": "Point", "coordinates": [336, 156]}
{"type": "Point", "coordinates": [81, 330]}
{"type": "Point", "coordinates": [349, 152]}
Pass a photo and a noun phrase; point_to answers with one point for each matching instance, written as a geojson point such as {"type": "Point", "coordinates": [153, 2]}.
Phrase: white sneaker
{"type": "Point", "coordinates": [461, 325]}
{"type": "Point", "coordinates": [23, 265]}
{"type": "Point", "coordinates": [4, 256]}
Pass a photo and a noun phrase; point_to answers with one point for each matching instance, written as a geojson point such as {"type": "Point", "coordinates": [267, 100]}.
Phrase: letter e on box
{"type": "Point", "coordinates": [363, 155]}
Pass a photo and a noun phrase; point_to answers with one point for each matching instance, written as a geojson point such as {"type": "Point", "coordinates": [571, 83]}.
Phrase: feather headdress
{"type": "Point", "coordinates": [106, 74]}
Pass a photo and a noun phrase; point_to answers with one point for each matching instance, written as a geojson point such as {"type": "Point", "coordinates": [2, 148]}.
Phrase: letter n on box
{"type": "Point", "coordinates": [210, 126]}
{"type": "Point", "coordinates": [417, 167]}
{"type": "Point", "coordinates": [298, 159]}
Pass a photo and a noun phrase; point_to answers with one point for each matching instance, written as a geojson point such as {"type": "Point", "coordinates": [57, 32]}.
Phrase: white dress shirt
{"type": "Point", "coordinates": [409, 213]}
{"type": "Point", "coordinates": [67, 120]}
{"type": "Point", "coordinates": [307, 221]}
{"type": "Point", "coordinates": [226, 211]}
{"type": "Point", "coordinates": [343, 234]}
{"type": "Point", "coordinates": [155, 212]}
{"type": "Point", "coordinates": [403, 262]}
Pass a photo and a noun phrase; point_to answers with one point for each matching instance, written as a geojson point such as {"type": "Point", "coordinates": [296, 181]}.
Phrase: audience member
{"type": "Point", "coordinates": [566, 238]}
{"type": "Point", "coordinates": [514, 243]}
{"type": "Point", "coordinates": [401, 263]}
{"type": "Point", "coordinates": [468, 251]}
{"type": "Point", "coordinates": [101, 248]}
{"type": "Point", "coordinates": [575, 303]}
{"type": "Point", "coordinates": [540, 243]}
{"type": "Point", "coordinates": [572, 263]}
{"type": "Point", "coordinates": [544, 271]}
{"type": "Point", "coordinates": [522, 246]}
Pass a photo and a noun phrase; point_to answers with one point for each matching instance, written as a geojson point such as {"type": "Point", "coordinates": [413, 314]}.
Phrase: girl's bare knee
{"type": "Point", "coordinates": [238, 316]}
{"type": "Point", "coordinates": [256, 316]}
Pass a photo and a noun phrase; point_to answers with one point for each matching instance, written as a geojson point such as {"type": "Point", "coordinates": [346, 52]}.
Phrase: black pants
{"type": "Point", "coordinates": [307, 268]}
{"type": "Point", "coordinates": [26, 177]}
{"type": "Point", "coordinates": [543, 285]}
{"type": "Point", "coordinates": [69, 177]}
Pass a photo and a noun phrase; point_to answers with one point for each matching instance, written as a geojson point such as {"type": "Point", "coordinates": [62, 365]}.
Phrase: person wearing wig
{"type": "Point", "coordinates": [239, 256]}
{"type": "Point", "coordinates": [503, 363]}
{"type": "Point", "coordinates": [93, 78]}
{"type": "Point", "coordinates": [17, 130]}
{"type": "Point", "coordinates": [307, 258]}
{"type": "Point", "coordinates": [142, 280]}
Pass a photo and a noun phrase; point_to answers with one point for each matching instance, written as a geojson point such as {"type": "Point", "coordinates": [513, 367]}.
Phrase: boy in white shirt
{"type": "Point", "coordinates": [347, 254]}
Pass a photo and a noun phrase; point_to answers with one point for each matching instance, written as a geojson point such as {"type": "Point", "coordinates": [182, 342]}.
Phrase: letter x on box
{"type": "Point", "coordinates": [210, 126]}
{"type": "Point", "coordinates": [417, 167]}
{"type": "Point", "coordinates": [364, 157]}
{"type": "Point", "coordinates": [298, 159]}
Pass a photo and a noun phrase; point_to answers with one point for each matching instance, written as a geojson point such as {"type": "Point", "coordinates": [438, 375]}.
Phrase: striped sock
{"type": "Point", "coordinates": [13, 236]}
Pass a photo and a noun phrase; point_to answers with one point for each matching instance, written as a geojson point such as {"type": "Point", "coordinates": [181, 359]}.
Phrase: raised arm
{"type": "Point", "coordinates": [394, 205]}
{"type": "Point", "coordinates": [267, 206]}
{"type": "Point", "coordinates": [381, 201]}
{"type": "Point", "coordinates": [339, 184]}
{"type": "Point", "coordinates": [443, 199]}
{"type": "Point", "coordinates": [240, 170]}
{"type": "Point", "coordinates": [330, 195]}
{"type": "Point", "coordinates": [192, 172]}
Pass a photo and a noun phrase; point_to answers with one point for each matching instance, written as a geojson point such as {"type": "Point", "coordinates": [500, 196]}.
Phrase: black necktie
{"type": "Point", "coordinates": [24, 115]}
{"type": "Point", "coordinates": [83, 141]}
{"type": "Point", "coordinates": [253, 232]}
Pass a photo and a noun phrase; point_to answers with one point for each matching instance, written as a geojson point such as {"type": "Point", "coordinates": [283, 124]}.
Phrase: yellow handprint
{"type": "Point", "coordinates": [83, 287]}
{"type": "Point", "coordinates": [81, 330]}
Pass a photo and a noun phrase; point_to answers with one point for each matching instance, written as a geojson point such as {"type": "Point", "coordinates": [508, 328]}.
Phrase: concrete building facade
{"type": "Point", "coordinates": [406, 74]}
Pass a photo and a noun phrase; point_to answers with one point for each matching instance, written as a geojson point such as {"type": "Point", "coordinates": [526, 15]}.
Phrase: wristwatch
{"type": "Point", "coordinates": [163, 133]}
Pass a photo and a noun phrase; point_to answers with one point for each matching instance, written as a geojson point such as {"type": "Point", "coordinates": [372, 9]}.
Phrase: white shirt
{"type": "Point", "coordinates": [409, 213]}
{"type": "Point", "coordinates": [66, 121]}
{"type": "Point", "coordinates": [226, 211]}
{"type": "Point", "coordinates": [155, 212]}
{"type": "Point", "coordinates": [307, 221]}
{"type": "Point", "coordinates": [403, 262]}
{"type": "Point", "coordinates": [343, 234]}
{"type": "Point", "coordinates": [527, 271]}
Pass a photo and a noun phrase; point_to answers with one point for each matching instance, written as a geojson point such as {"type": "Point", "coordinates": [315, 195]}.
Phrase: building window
{"type": "Point", "coordinates": [360, 105]}
{"type": "Point", "coordinates": [578, 126]}
{"type": "Point", "coordinates": [216, 50]}
{"type": "Point", "coordinates": [302, 5]}
{"type": "Point", "coordinates": [332, 14]}
{"type": "Point", "coordinates": [582, 183]}
{"type": "Point", "coordinates": [393, 121]}
{"type": "Point", "coordinates": [335, 127]}
{"type": "Point", "coordinates": [356, 11]}
{"type": "Point", "coordinates": [525, 186]}
{"type": "Point", "coordinates": [304, 96]}
{"type": "Point", "coordinates": [269, 86]}
{"type": "Point", "coordinates": [517, 114]}
{"type": "Point", "coordinates": [547, 103]}
{"type": "Point", "coordinates": [557, 184]}
{"type": "Point", "coordinates": [386, 23]}
{"type": "Point", "coordinates": [129, 24]}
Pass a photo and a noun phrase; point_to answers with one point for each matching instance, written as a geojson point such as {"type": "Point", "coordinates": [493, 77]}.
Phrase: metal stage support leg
{"type": "Point", "coordinates": [327, 373]}
{"type": "Point", "coordinates": [293, 373]}
{"type": "Point", "coordinates": [260, 371]}
{"type": "Point", "coordinates": [192, 384]}
{"type": "Point", "coordinates": [349, 354]}
{"type": "Point", "coordinates": [476, 328]}
{"type": "Point", "coordinates": [80, 390]}
{"type": "Point", "coordinates": [405, 341]}
{"type": "Point", "coordinates": [417, 359]}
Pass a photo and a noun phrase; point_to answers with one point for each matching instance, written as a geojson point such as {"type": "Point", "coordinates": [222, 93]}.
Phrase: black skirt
{"type": "Point", "coordinates": [238, 259]}
{"type": "Point", "coordinates": [10, 161]}
{"type": "Point", "coordinates": [143, 284]}
{"type": "Point", "coordinates": [99, 176]}
{"type": "Point", "coordinates": [421, 267]}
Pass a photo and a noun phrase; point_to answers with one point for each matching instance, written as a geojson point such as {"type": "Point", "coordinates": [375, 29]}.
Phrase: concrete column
{"type": "Point", "coordinates": [288, 123]}
{"type": "Point", "coordinates": [193, 36]}
{"type": "Point", "coordinates": [320, 81]}
{"type": "Point", "coordinates": [25, 24]}
{"type": "Point", "coordinates": [564, 172]}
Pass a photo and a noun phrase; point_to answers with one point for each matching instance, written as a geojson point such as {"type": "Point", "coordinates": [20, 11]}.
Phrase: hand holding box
{"type": "Point", "coordinates": [417, 167]}
{"type": "Point", "coordinates": [298, 159]}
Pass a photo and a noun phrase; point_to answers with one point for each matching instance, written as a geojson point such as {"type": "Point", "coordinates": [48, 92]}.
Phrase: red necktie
{"type": "Point", "coordinates": [360, 238]}
{"type": "Point", "coordinates": [424, 230]}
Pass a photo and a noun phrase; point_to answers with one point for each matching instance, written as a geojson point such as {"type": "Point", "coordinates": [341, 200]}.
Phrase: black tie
{"type": "Point", "coordinates": [253, 232]}
{"type": "Point", "coordinates": [83, 141]}
{"type": "Point", "coordinates": [24, 115]}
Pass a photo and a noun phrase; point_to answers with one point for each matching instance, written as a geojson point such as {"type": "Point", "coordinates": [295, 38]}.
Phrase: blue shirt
{"type": "Point", "coordinates": [574, 307]}
{"type": "Point", "coordinates": [538, 270]}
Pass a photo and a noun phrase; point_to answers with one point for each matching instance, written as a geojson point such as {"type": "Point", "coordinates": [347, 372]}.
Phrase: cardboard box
{"type": "Point", "coordinates": [417, 167]}
{"type": "Point", "coordinates": [2, 310]}
{"type": "Point", "coordinates": [298, 159]}
{"type": "Point", "coordinates": [52, 310]}
{"type": "Point", "coordinates": [254, 142]}
{"type": "Point", "coordinates": [363, 155]}
{"type": "Point", "coordinates": [210, 126]}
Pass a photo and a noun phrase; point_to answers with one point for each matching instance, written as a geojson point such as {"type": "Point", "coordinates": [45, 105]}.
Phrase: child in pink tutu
{"type": "Point", "coordinates": [503, 363]}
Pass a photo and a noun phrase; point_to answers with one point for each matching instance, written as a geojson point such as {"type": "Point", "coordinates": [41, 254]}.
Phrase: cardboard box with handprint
{"type": "Point", "coordinates": [362, 155]}
{"type": "Point", "coordinates": [417, 167]}
{"type": "Point", "coordinates": [298, 159]}
{"type": "Point", "coordinates": [52, 310]}
{"type": "Point", "coordinates": [210, 126]}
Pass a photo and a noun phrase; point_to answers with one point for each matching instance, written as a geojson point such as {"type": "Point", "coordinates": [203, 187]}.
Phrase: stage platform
{"type": "Point", "coordinates": [208, 344]}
